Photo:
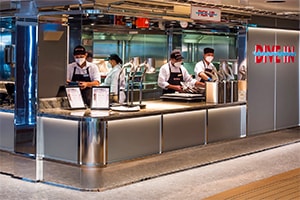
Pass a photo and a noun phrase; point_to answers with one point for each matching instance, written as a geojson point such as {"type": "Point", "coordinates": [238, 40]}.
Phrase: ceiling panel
{"type": "Point", "coordinates": [287, 8]}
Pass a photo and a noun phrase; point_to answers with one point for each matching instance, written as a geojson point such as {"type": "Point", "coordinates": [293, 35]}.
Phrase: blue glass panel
{"type": "Point", "coordinates": [26, 75]}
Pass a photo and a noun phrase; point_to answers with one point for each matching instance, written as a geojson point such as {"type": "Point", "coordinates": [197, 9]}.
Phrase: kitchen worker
{"type": "Point", "coordinates": [115, 79]}
{"type": "Point", "coordinates": [172, 73]}
{"type": "Point", "coordinates": [205, 65]}
{"type": "Point", "coordinates": [83, 73]}
{"type": "Point", "coordinates": [89, 57]}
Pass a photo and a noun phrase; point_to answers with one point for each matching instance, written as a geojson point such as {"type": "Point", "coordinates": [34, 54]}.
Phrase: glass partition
{"type": "Point", "coordinates": [7, 56]}
{"type": "Point", "coordinates": [7, 61]}
{"type": "Point", "coordinates": [193, 44]}
{"type": "Point", "coordinates": [128, 46]}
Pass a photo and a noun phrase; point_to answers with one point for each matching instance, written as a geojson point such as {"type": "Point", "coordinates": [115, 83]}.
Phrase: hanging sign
{"type": "Point", "coordinates": [205, 14]}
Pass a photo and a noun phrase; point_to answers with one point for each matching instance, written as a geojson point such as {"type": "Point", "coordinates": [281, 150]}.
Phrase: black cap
{"type": "Point", "coordinates": [79, 50]}
{"type": "Point", "coordinates": [176, 54]}
{"type": "Point", "coordinates": [115, 57]}
{"type": "Point", "coordinates": [208, 50]}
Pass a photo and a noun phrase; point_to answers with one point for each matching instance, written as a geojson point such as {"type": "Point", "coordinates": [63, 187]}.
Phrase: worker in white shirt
{"type": "Point", "coordinates": [173, 73]}
{"type": "Point", "coordinates": [205, 65]}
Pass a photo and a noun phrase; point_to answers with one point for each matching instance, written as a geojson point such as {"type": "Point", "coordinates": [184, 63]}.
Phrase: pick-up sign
{"type": "Point", "coordinates": [205, 14]}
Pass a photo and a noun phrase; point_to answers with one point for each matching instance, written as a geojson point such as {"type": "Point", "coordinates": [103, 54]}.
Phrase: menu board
{"type": "Point", "coordinates": [100, 97]}
{"type": "Point", "coordinates": [75, 98]}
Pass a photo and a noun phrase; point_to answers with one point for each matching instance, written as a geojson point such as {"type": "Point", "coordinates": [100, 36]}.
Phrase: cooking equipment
{"type": "Point", "coordinates": [150, 65]}
{"type": "Point", "coordinates": [231, 91]}
{"type": "Point", "coordinates": [136, 63]}
{"type": "Point", "coordinates": [183, 96]}
{"type": "Point", "coordinates": [222, 91]}
{"type": "Point", "coordinates": [190, 93]}
{"type": "Point", "coordinates": [215, 92]}
{"type": "Point", "coordinates": [189, 88]}
{"type": "Point", "coordinates": [151, 62]}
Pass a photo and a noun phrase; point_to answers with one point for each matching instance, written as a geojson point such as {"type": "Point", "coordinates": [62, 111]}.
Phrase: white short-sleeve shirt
{"type": "Point", "coordinates": [200, 67]}
{"type": "Point", "coordinates": [92, 68]}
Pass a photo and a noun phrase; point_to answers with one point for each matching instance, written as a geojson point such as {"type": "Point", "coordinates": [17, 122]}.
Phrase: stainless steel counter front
{"type": "Point", "coordinates": [7, 140]}
{"type": "Point", "coordinates": [7, 131]}
{"type": "Point", "coordinates": [101, 137]}
{"type": "Point", "coordinates": [81, 141]}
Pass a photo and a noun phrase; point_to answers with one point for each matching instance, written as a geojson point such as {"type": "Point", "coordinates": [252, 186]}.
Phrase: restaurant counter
{"type": "Point", "coordinates": [72, 146]}
{"type": "Point", "coordinates": [99, 137]}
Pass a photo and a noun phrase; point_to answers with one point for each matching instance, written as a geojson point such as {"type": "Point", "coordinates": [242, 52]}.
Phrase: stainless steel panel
{"type": "Point", "coordinates": [92, 141]}
{"type": "Point", "coordinates": [24, 167]}
{"type": "Point", "coordinates": [216, 92]}
{"type": "Point", "coordinates": [261, 80]}
{"type": "Point", "coordinates": [133, 138]}
{"type": "Point", "coordinates": [7, 135]}
{"type": "Point", "coordinates": [61, 139]}
{"type": "Point", "coordinates": [183, 129]}
{"type": "Point", "coordinates": [243, 121]}
{"type": "Point", "coordinates": [231, 91]}
{"type": "Point", "coordinates": [211, 92]}
{"type": "Point", "coordinates": [63, 174]}
{"type": "Point", "coordinates": [6, 162]}
{"type": "Point", "coordinates": [222, 92]}
{"type": "Point", "coordinates": [287, 83]}
{"type": "Point", "coordinates": [224, 123]}
{"type": "Point", "coordinates": [273, 86]}
{"type": "Point", "coordinates": [52, 59]}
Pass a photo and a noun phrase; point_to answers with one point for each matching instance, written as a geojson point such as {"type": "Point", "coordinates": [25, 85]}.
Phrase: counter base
{"type": "Point", "coordinates": [128, 172]}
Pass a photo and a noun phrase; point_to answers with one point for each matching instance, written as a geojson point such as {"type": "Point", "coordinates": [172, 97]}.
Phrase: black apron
{"type": "Point", "coordinates": [206, 70]}
{"type": "Point", "coordinates": [86, 92]}
{"type": "Point", "coordinates": [174, 79]}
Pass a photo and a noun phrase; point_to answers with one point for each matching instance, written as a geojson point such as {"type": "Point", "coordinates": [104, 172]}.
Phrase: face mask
{"type": "Point", "coordinates": [209, 58]}
{"type": "Point", "coordinates": [80, 61]}
{"type": "Point", "coordinates": [177, 64]}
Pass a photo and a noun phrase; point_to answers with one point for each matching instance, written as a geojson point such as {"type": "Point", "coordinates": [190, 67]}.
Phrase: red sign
{"type": "Point", "coordinates": [142, 23]}
{"type": "Point", "coordinates": [274, 54]}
